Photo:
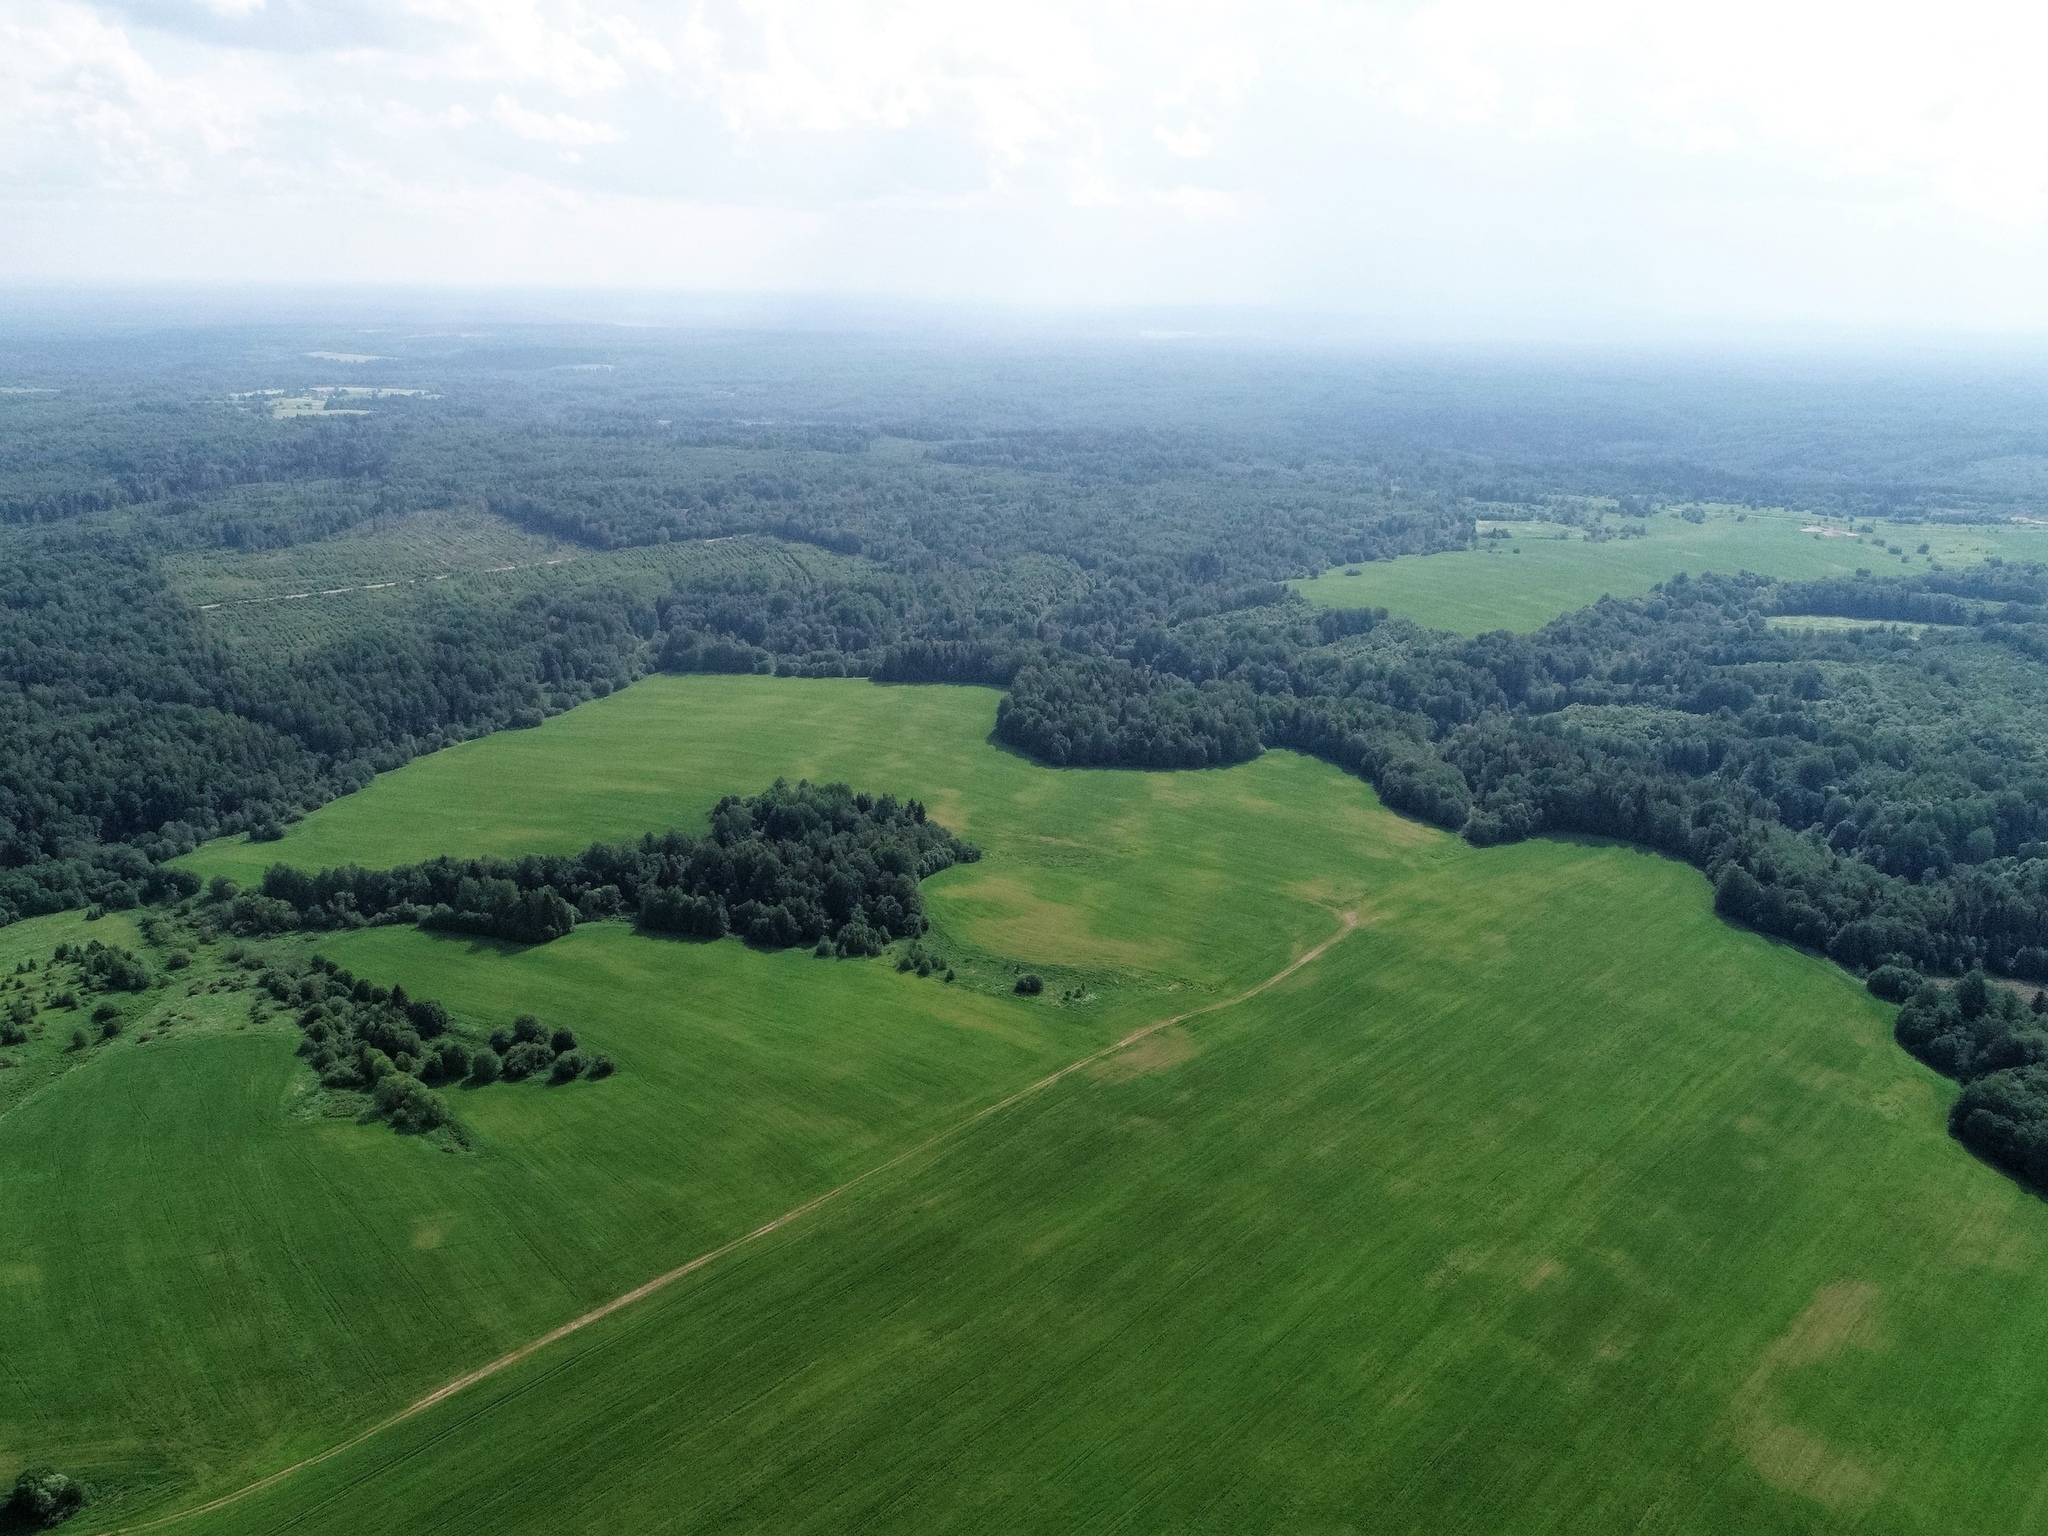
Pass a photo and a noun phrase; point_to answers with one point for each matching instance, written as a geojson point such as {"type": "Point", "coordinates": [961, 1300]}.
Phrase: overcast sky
{"type": "Point", "coordinates": [1463, 167]}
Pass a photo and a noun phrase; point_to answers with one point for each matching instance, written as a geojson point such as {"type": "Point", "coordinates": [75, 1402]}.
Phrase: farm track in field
{"type": "Point", "coordinates": [1349, 922]}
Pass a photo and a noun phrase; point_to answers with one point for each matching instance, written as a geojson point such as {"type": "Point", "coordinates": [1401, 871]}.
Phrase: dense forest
{"type": "Point", "coordinates": [1105, 537]}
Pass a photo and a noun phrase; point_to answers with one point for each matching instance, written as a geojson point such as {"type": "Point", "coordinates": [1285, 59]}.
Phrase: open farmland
{"type": "Point", "coordinates": [1540, 570]}
{"type": "Point", "coordinates": [1540, 1200]}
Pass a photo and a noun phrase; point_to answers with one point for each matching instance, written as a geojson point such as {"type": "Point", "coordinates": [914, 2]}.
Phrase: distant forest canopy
{"type": "Point", "coordinates": [1103, 534]}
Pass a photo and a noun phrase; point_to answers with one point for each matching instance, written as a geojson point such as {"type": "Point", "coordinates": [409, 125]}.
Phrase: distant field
{"type": "Point", "coordinates": [306, 594]}
{"type": "Point", "coordinates": [1543, 570]}
{"type": "Point", "coordinates": [418, 546]}
{"type": "Point", "coordinates": [1832, 624]}
{"type": "Point", "coordinates": [1543, 1201]}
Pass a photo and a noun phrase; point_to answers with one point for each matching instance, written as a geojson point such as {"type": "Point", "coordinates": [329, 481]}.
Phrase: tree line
{"type": "Point", "coordinates": [799, 864]}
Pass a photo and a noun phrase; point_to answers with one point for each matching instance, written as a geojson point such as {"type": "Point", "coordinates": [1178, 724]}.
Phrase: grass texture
{"type": "Point", "coordinates": [1541, 1201]}
{"type": "Point", "coordinates": [1523, 582]}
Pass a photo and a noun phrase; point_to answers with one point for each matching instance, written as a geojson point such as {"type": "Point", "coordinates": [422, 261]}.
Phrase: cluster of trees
{"type": "Point", "coordinates": [399, 1049]}
{"type": "Point", "coordinates": [105, 967]}
{"type": "Point", "coordinates": [812, 864]}
{"type": "Point", "coordinates": [44, 1497]}
{"type": "Point", "coordinates": [1994, 1045]}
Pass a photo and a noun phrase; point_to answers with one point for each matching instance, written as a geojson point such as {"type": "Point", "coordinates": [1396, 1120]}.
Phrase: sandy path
{"type": "Point", "coordinates": [795, 1213]}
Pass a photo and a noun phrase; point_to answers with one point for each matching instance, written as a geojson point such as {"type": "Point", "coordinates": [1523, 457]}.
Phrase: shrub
{"type": "Point", "coordinates": [1030, 984]}
{"type": "Point", "coordinates": [178, 960]}
{"type": "Point", "coordinates": [79, 1040]}
{"type": "Point", "coordinates": [12, 1033]}
{"type": "Point", "coordinates": [43, 1496]}
{"type": "Point", "coordinates": [603, 1066]}
{"type": "Point", "coordinates": [527, 1058]}
{"type": "Point", "coordinates": [408, 1105]}
{"type": "Point", "coordinates": [563, 1040]}
{"type": "Point", "coordinates": [527, 1027]}
{"type": "Point", "coordinates": [106, 1013]}
{"type": "Point", "coordinates": [427, 1016]}
{"type": "Point", "coordinates": [567, 1068]}
{"type": "Point", "coordinates": [857, 941]}
{"type": "Point", "coordinates": [449, 1062]}
{"type": "Point", "coordinates": [484, 1067]}
{"type": "Point", "coordinates": [1893, 983]}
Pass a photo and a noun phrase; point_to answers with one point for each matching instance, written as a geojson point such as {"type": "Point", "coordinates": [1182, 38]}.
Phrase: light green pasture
{"type": "Point", "coordinates": [1523, 582]}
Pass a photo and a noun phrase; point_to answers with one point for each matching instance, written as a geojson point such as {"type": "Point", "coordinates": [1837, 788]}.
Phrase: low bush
{"type": "Point", "coordinates": [1030, 984]}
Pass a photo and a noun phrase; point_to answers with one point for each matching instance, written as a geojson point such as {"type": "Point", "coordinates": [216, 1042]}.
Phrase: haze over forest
{"type": "Point", "coordinates": [809, 766]}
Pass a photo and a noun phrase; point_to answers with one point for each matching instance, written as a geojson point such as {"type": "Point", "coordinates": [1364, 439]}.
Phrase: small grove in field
{"type": "Point", "coordinates": [397, 1049]}
{"type": "Point", "coordinates": [804, 864]}
{"type": "Point", "coordinates": [73, 974]}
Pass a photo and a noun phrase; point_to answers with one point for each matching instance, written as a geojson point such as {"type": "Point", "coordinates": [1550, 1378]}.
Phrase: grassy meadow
{"type": "Point", "coordinates": [305, 595]}
{"type": "Point", "coordinates": [1524, 581]}
{"type": "Point", "coordinates": [1541, 1201]}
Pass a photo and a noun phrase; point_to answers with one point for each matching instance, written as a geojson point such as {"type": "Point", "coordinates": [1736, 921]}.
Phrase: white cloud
{"type": "Point", "coordinates": [551, 127]}
{"type": "Point", "coordinates": [1570, 158]}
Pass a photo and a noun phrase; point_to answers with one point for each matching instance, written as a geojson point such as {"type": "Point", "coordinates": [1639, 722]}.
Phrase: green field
{"type": "Point", "coordinates": [1543, 1200]}
{"type": "Point", "coordinates": [1543, 570]}
{"type": "Point", "coordinates": [312, 593]}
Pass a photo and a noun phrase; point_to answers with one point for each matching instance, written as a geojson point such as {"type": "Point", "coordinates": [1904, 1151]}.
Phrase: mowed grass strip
{"type": "Point", "coordinates": [1543, 1202]}
{"type": "Point", "coordinates": [1522, 583]}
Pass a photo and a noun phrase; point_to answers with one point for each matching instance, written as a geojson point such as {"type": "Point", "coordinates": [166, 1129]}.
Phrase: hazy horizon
{"type": "Point", "coordinates": [1439, 171]}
